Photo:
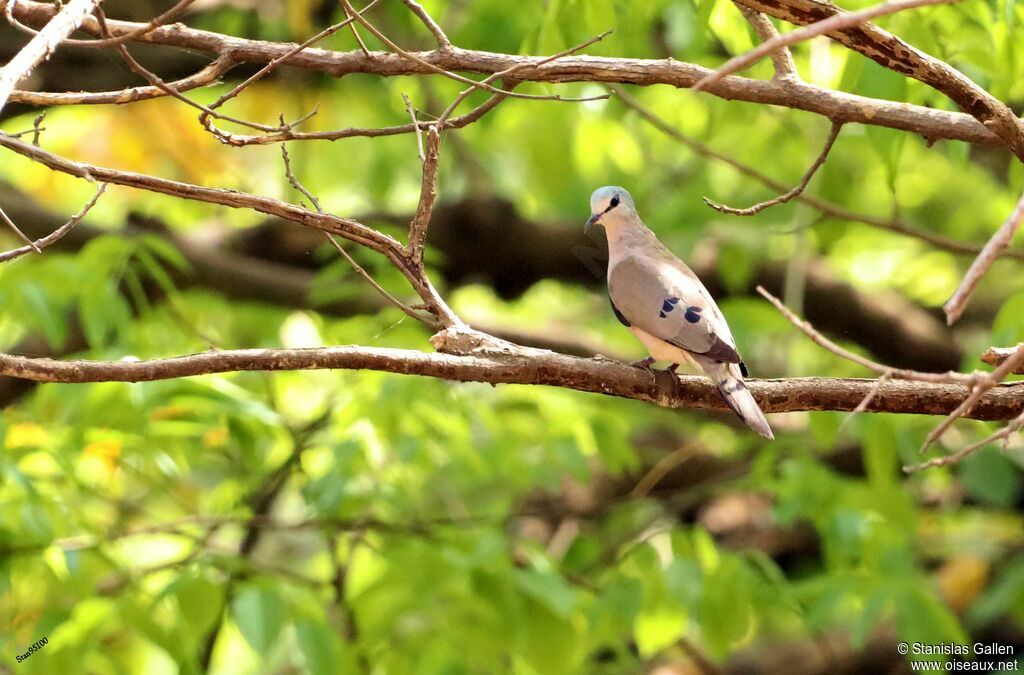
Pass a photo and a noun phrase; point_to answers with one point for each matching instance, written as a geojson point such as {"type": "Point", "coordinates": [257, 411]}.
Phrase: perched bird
{"type": "Point", "coordinates": [667, 308]}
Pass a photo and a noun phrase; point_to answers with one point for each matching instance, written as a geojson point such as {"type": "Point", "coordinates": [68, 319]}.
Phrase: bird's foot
{"type": "Point", "coordinates": [643, 364]}
{"type": "Point", "coordinates": [672, 369]}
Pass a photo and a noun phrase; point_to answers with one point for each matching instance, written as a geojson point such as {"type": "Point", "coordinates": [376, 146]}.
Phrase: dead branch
{"type": "Point", "coordinates": [295, 183]}
{"type": "Point", "coordinates": [981, 383]}
{"type": "Point", "coordinates": [416, 8]}
{"type": "Point", "coordinates": [17, 231]}
{"type": "Point", "coordinates": [999, 242]}
{"type": "Point", "coordinates": [57, 234]}
{"type": "Point", "coordinates": [782, 58]}
{"type": "Point", "coordinates": [428, 193]}
{"type": "Point", "coordinates": [1001, 435]}
{"type": "Point", "coordinates": [836, 22]}
{"type": "Point", "coordinates": [64, 21]}
{"type": "Point", "coordinates": [889, 372]}
{"type": "Point", "coordinates": [997, 355]}
{"type": "Point", "coordinates": [210, 74]}
{"type": "Point", "coordinates": [789, 194]}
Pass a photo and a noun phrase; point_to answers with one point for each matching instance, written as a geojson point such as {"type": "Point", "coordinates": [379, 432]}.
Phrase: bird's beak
{"type": "Point", "coordinates": [593, 220]}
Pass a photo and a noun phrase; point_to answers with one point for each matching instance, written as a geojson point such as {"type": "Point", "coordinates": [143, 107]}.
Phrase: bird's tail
{"type": "Point", "coordinates": [729, 379]}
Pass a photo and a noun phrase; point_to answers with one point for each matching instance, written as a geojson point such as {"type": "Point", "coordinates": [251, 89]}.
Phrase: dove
{"type": "Point", "coordinates": [665, 305]}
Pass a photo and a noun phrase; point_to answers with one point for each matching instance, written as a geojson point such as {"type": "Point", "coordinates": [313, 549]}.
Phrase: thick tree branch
{"type": "Point", "coordinates": [837, 106]}
{"type": "Point", "coordinates": [503, 363]}
{"type": "Point", "coordinates": [838, 21]}
{"type": "Point", "coordinates": [893, 53]}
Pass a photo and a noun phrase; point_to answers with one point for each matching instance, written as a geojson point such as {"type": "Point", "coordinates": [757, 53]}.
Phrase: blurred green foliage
{"type": "Point", "coordinates": [122, 507]}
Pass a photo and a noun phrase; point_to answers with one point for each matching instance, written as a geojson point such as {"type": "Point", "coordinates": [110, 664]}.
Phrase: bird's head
{"type": "Point", "coordinates": [608, 202]}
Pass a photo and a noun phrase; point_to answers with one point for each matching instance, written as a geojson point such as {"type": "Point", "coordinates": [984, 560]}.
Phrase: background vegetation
{"type": "Point", "coordinates": [337, 521]}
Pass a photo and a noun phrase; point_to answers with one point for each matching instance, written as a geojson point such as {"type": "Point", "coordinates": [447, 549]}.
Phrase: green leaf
{"type": "Point", "coordinates": [548, 589]}
{"type": "Point", "coordinates": [200, 602]}
{"type": "Point", "coordinates": [922, 617]}
{"type": "Point", "coordinates": [990, 477]}
{"type": "Point", "coordinates": [259, 614]}
{"type": "Point", "coordinates": [164, 250]}
{"type": "Point", "coordinates": [49, 318]}
{"type": "Point", "coordinates": [319, 647]}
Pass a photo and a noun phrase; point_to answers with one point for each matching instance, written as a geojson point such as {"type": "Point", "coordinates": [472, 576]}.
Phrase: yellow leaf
{"type": "Point", "coordinates": [961, 580]}
{"type": "Point", "coordinates": [25, 435]}
{"type": "Point", "coordinates": [215, 438]}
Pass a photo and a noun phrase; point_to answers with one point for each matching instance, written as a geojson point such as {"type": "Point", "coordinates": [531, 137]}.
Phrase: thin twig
{"type": "Point", "coordinates": [897, 373]}
{"type": "Point", "coordinates": [416, 127]}
{"type": "Point", "coordinates": [37, 128]}
{"type": "Point", "coordinates": [982, 383]}
{"type": "Point", "coordinates": [790, 194]}
{"type": "Point", "coordinates": [295, 183]}
{"type": "Point", "coordinates": [662, 467]}
{"type": "Point", "coordinates": [836, 22]}
{"type": "Point", "coordinates": [782, 58]}
{"type": "Point", "coordinates": [428, 186]}
{"type": "Point", "coordinates": [978, 383]}
{"type": "Point", "coordinates": [956, 304]}
{"type": "Point", "coordinates": [1002, 434]}
{"type": "Point", "coordinates": [443, 43]}
{"type": "Point", "coordinates": [509, 72]}
{"type": "Point", "coordinates": [289, 134]}
{"type": "Point", "coordinates": [373, 282]}
{"type": "Point", "coordinates": [157, 81]}
{"type": "Point", "coordinates": [355, 33]}
{"type": "Point", "coordinates": [21, 235]}
{"type": "Point", "coordinates": [863, 405]}
{"type": "Point", "coordinates": [272, 64]}
{"type": "Point", "coordinates": [56, 235]}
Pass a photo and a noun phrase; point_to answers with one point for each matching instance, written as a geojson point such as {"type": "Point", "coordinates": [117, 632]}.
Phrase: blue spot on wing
{"type": "Point", "coordinates": [667, 306]}
{"type": "Point", "coordinates": [693, 314]}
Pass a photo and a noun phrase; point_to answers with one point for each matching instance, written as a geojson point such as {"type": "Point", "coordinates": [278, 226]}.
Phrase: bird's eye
{"type": "Point", "coordinates": [615, 201]}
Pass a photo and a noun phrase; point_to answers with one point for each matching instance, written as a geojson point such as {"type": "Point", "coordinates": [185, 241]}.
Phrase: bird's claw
{"type": "Point", "coordinates": [643, 364]}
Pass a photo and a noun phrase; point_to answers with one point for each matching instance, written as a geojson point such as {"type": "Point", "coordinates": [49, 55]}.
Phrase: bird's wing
{"type": "Point", "coordinates": [658, 293]}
